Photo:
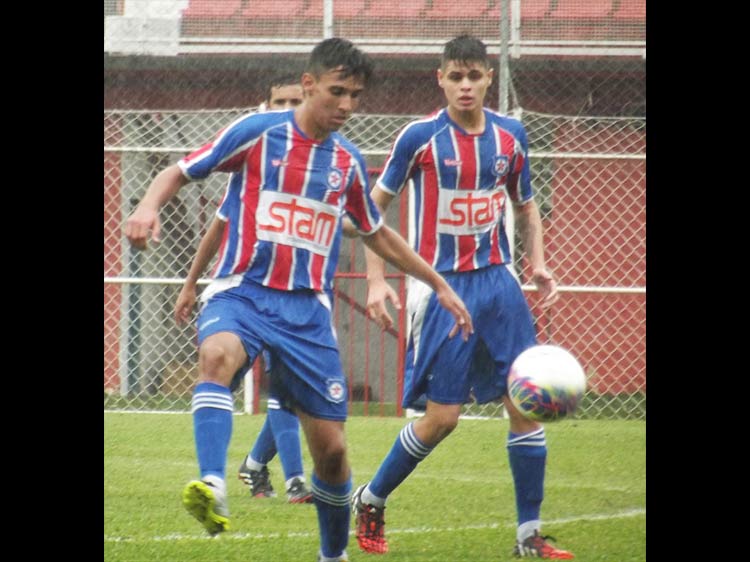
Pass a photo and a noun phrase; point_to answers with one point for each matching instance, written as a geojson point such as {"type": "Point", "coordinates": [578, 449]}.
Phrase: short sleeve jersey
{"type": "Point", "coordinates": [461, 185]}
{"type": "Point", "coordinates": [284, 200]}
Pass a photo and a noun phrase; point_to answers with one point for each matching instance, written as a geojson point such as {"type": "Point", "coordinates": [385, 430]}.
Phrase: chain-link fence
{"type": "Point", "coordinates": [177, 71]}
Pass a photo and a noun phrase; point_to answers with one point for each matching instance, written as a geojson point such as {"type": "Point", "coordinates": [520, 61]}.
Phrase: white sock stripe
{"type": "Point", "coordinates": [411, 443]}
{"type": "Point", "coordinates": [273, 404]}
{"type": "Point", "coordinates": [214, 406]}
{"type": "Point", "coordinates": [198, 399]}
{"type": "Point", "coordinates": [212, 400]}
{"type": "Point", "coordinates": [534, 438]}
{"type": "Point", "coordinates": [330, 499]}
{"type": "Point", "coordinates": [219, 395]}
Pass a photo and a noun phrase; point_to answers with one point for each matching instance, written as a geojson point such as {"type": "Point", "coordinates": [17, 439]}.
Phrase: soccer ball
{"type": "Point", "coordinates": [546, 383]}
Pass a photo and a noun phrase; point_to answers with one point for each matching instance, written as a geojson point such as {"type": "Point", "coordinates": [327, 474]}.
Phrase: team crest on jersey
{"type": "Point", "coordinates": [336, 391]}
{"type": "Point", "coordinates": [335, 178]}
{"type": "Point", "coordinates": [501, 165]}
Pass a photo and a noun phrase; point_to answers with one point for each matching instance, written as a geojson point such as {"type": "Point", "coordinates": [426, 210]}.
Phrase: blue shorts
{"type": "Point", "coordinates": [296, 328]}
{"type": "Point", "coordinates": [449, 371]}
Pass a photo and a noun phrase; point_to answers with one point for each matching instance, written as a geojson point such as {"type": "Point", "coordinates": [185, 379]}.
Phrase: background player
{"type": "Point", "coordinates": [466, 161]}
{"type": "Point", "coordinates": [292, 179]}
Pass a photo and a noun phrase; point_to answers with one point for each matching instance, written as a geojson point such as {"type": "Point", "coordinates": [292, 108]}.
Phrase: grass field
{"type": "Point", "coordinates": [458, 506]}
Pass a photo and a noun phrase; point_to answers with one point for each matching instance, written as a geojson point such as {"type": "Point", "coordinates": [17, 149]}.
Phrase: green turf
{"type": "Point", "coordinates": [457, 506]}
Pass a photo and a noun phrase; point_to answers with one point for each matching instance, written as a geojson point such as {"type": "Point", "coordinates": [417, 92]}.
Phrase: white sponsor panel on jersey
{"type": "Point", "coordinates": [469, 211]}
{"type": "Point", "coordinates": [296, 221]}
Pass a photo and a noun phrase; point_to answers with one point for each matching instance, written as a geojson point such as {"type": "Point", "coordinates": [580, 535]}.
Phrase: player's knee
{"type": "Point", "coordinates": [215, 362]}
{"type": "Point", "coordinates": [331, 464]}
{"type": "Point", "coordinates": [436, 426]}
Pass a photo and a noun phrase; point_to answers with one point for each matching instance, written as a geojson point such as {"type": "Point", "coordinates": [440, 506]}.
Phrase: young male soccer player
{"type": "Point", "coordinates": [280, 432]}
{"type": "Point", "coordinates": [293, 177]}
{"type": "Point", "coordinates": [466, 163]}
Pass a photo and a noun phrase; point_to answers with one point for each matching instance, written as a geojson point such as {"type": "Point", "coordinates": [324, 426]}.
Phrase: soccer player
{"type": "Point", "coordinates": [293, 177]}
{"type": "Point", "coordinates": [467, 163]}
{"type": "Point", "coordinates": [280, 432]}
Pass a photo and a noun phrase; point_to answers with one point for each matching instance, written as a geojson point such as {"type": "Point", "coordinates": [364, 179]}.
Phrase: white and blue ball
{"type": "Point", "coordinates": [546, 383]}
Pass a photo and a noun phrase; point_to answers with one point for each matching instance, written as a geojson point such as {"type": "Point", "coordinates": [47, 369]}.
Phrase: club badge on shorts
{"type": "Point", "coordinates": [336, 391]}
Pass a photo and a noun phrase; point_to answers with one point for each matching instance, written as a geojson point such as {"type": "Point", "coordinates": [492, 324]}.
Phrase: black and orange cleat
{"type": "Point", "coordinates": [536, 546]}
{"type": "Point", "coordinates": [370, 524]}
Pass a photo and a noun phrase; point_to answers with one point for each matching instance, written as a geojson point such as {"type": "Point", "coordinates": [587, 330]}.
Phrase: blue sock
{"type": "Point", "coordinates": [403, 458]}
{"type": "Point", "coordinates": [264, 448]}
{"type": "Point", "coordinates": [286, 433]}
{"type": "Point", "coordinates": [212, 427]}
{"type": "Point", "coordinates": [332, 504]}
{"type": "Point", "coordinates": [528, 455]}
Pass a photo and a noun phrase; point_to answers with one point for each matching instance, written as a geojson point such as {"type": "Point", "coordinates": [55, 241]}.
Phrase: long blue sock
{"type": "Point", "coordinates": [264, 448]}
{"type": "Point", "coordinates": [332, 504]}
{"type": "Point", "coordinates": [407, 452]}
{"type": "Point", "coordinates": [286, 434]}
{"type": "Point", "coordinates": [212, 427]}
{"type": "Point", "coordinates": [528, 455]}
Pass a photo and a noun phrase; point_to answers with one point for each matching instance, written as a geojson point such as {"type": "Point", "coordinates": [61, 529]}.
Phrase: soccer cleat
{"type": "Point", "coordinates": [258, 480]}
{"type": "Point", "coordinates": [536, 546]}
{"type": "Point", "coordinates": [298, 492]}
{"type": "Point", "coordinates": [207, 504]}
{"type": "Point", "coordinates": [369, 521]}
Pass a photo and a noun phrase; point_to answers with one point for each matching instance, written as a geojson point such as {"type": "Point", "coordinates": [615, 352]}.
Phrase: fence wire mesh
{"type": "Point", "coordinates": [178, 71]}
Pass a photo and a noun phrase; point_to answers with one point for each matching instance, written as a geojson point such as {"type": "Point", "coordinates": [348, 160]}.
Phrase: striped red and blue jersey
{"type": "Point", "coordinates": [284, 201]}
{"type": "Point", "coordinates": [461, 185]}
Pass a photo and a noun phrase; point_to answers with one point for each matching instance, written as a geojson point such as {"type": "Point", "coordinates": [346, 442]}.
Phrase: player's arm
{"type": "Point", "coordinates": [378, 289]}
{"type": "Point", "coordinates": [207, 249]}
{"type": "Point", "coordinates": [529, 225]}
{"type": "Point", "coordinates": [390, 246]}
{"type": "Point", "coordinates": [145, 218]}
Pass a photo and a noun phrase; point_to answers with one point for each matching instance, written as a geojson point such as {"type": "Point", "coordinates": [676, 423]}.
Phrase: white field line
{"type": "Point", "coordinates": [310, 535]}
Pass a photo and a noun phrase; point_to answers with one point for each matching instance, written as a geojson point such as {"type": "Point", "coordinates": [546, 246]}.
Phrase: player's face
{"type": "Point", "coordinates": [285, 97]}
{"type": "Point", "coordinates": [465, 85]}
{"type": "Point", "coordinates": [331, 98]}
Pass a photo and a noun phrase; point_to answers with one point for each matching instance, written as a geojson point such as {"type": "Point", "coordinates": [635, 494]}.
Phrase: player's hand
{"type": "Point", "coordinates": [547, 287]}
{"type": "Point", "coordinates": [449, 300]}
{"type": "Point", "coordinates": [138, 226]}
{"type": "Point", "coordinates": [183, 308]}
{"type": "Point", "coordinates": [378, 291]}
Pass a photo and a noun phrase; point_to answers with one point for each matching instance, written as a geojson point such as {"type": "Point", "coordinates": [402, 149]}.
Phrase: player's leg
{"type": "Point", "coordinates": [225, 347]}
{"type": "Point", "coordinates": [285, 426]}
{"type": "Point", "coordinates": [331, 483]}
{"type": "Point", "coordinates": [313, 384]}
{"type": "Point", "coordinates": [221, 356]}
{"type": "Point", "coordinates": [413, 444]}
{"type": "Point", "coordinates": [285, 430]}
{"type": "Point", "coordinates": [436, 366]}
{"type": "Point", "coordinates": [526, 443]}
{"type": "Point", "coordinates": [254, 470]}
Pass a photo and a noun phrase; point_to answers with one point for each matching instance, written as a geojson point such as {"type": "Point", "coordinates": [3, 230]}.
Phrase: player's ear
{"type": "Point", "coordinates": [490, 75]}
{"type": "Point", "coordinates": [440, 76]}
{"type": "Point", "coordinates": [308, 83]}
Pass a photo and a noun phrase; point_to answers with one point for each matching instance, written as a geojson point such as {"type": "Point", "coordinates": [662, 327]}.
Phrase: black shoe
{"type": "Point", "coordinates": [536, 546]}
{"type": "Point", "coordinates": [258, 480]}
{"type": "Point", "coordinates": [298, 492]}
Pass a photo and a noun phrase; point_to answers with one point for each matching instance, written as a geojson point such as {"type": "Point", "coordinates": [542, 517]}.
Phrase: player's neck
{"type": "Point", "coordinates": [306, 124]}
{"type": "Point", "coordinates": [470, 121]}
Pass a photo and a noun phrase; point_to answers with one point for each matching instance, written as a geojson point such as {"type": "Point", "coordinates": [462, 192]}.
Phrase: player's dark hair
{"type": "Point", "coordinates": [337, 52]}
{"type": "Point", "coordinates": [465, 49]}
{"type": "Point", "coordinates": [285, 80]}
